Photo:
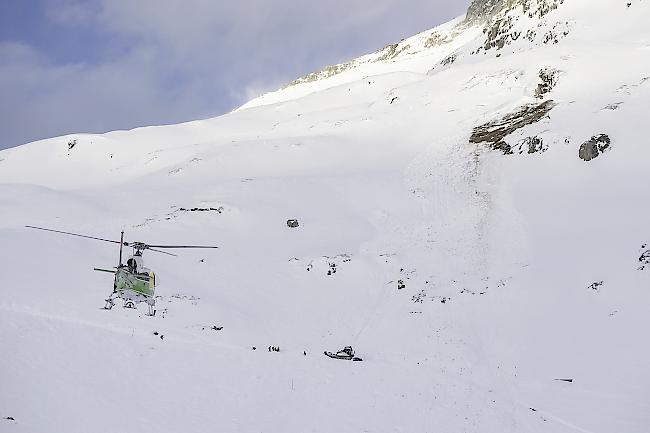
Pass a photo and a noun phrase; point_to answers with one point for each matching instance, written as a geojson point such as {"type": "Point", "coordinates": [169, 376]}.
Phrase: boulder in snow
{"type": "Point", "coordinates": [593, 147]}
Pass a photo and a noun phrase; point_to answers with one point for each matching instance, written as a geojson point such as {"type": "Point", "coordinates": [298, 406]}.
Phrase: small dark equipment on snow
{"type": "Point", "coordinates": [293, 223]}
{"type": "Point", "coordinates": [346, 354]}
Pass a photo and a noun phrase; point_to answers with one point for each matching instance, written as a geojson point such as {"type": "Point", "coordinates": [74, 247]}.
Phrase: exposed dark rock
{"type": "Point", "coordinates": [644, 259]}
{"type": "Point", "coordinates": [528, 145]}
{"type": "Point", "coordinates": [532, 145]}
{"type": "Point", "coordinates": [593, 147]}
{"type": "Point", "coordinates": [324, 73]}
{"type": "Point", "coordinates": [483, 9]}
{"type": "Point", "coordinates": [595, 286]}
{"type": "Point", "coordinates": [419, 298]}
{"type": "Point", "coordinates": [436, 39]}
{"type": "Point", "coordinates": [613, 106]}
{"type": "Point", "coordinates": [494, 132]}
{"type": "Point", "coordinates": [499, 33]}
{"type": "Point", "coordinates": [549, 79]}
{"type": "Point", "coordinates": [449, 60]}
{"type": "Point", "coordinates": [203, 209]}
{"type": "Point", "coordinates": [293, 223]}
{"type": "Point", "coordinates": [500, 18]}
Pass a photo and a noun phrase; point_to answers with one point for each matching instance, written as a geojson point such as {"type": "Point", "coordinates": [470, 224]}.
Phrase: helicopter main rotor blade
{"type": "Point", "coordinates": [76, 234]}
{"type": "Point", "coordinates": [162, 252]}
{"type": "Point", "coordinates": [180, 246]}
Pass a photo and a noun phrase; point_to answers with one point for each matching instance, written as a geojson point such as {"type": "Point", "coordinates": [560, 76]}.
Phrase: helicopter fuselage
{"type": "Point", "coordinates": [142, 281]}
{"type": "Point", "coordinates": [133, 284]}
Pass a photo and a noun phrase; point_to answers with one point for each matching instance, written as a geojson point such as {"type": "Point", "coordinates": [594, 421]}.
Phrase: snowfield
{"type": "Point", "coordinates": [471, 277]}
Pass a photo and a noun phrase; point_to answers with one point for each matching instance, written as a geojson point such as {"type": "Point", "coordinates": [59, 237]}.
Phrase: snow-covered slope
{"type": "Point", "coordinates": [484, 246]}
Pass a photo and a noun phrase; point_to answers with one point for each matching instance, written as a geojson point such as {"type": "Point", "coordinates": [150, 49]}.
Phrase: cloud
{"type": "Point", "coordinates": [152, 61]}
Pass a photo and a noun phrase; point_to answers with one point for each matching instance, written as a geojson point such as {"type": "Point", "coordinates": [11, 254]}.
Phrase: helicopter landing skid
{"type": "Point", "coordinates": [131, 302]}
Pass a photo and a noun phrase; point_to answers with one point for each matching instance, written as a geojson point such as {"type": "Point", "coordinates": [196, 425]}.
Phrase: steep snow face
{"type": "Point", "coordinates": [472, 220]}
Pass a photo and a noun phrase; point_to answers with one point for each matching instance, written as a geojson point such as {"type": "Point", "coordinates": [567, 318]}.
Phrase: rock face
{"type": "Point", "coordinates": [549, 77]}
{"type": "Point", "coordinates": [594, 147]}
{"type": "Point", "coordinates": [495, 131]}
{"type": "Point", "coordinates": [482, 9]}
{"type": "Point", "coordinates": [531, 145]}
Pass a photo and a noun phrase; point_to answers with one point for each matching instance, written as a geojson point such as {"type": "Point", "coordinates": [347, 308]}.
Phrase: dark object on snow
{"type": "Point", "coordinates": [274, 349]}
{"type": "Point", "coordinates": [644, 259]}
{"type": "Point", "coordinates": [597, 285]}
{"type": "Point", "coordinates": [10, 418]}
{"type": "Point", "coordinates": [71, 144]}
{"type": "Point", "coordinates": [254, 348]}
{"type": "Point", "coordinates": [346, 354]}
{"type": "Point", "coordinates": [293, 223]}
{"type": "Point", "coordinates": [203, 209]}
{"type": "Point", "coordinates": [594, 147]}
{"type": "Point", "coordinates": [400, 285]}
{"type": "Point", "coordinates": [216, 328]}
{"type": "Point", "coordinates": [565, 380]}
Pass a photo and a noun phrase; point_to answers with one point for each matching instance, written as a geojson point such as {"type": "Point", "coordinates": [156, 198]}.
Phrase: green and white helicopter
{"type": "Point", "coordinates": [133, 283]}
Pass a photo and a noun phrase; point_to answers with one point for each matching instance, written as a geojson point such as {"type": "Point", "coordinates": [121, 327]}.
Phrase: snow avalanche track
{"type": "Point", "coordinates": [470, 277]}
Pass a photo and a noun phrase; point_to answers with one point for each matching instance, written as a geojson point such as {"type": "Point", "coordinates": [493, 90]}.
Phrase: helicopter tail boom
{"type": "Point", "coordinates": [104, 270]}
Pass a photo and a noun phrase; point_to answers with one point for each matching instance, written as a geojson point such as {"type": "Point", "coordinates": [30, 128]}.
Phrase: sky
{"type": "Point", "coordinates": [71, 66]}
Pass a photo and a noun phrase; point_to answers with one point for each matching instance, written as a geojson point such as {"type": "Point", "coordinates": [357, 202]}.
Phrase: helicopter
{"type": "Point", "coordinates": [133, 282]}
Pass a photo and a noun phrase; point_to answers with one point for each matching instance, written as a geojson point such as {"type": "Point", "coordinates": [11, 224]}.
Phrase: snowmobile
{"type": "Point", "coordinates": [346, 353]}
{"type": "Point", "coordinates": [133, 283]}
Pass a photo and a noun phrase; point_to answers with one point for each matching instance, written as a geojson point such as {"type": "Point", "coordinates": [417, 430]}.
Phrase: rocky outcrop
{"type": "Point", "coordinates": [390, 52]}
{"type": "Point", "coordinates": [324, 73]}
{"type": "Point", "coordinates": [549, 79]}
{"type": "Point", "coordinates": [594, 147]}
{"type": "Point", "coordinates": [494, 132]}
{"type": "Point", "coordinates": [436, 39]}
{"type": "Point", "coordinates": [504, 25]}
{"type": "Point", "coordinates": [530, 145]}
{"type": "Point", "coordinates": [483, 9]}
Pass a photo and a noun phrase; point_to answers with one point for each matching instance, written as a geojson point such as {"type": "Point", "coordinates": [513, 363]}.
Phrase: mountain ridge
{"type": "Point", "coordinates": [471, 218]}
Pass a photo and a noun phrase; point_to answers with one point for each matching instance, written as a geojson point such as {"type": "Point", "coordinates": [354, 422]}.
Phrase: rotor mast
{"type": "Point", "coordinates": [121, 245]}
